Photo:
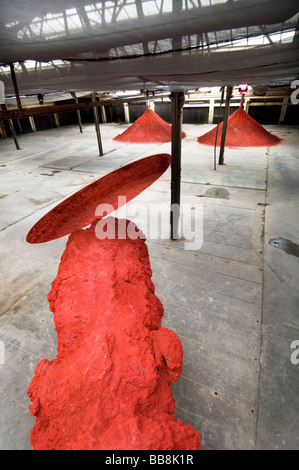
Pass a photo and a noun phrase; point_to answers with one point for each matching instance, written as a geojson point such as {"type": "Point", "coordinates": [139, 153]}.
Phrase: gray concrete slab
{"type": "Point", "coordinates": [233, 302]}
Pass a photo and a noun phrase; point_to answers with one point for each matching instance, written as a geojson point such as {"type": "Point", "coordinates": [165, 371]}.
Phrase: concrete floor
{"type": "Point", "coordinates": [233, 302]}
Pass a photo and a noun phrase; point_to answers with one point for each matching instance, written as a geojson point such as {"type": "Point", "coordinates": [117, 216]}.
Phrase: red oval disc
{"type": "Point", "coordinates": [78, 210]}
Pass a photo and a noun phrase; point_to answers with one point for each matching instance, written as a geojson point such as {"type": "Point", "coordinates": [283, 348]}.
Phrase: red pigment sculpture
{"type": "Point", "coordinates": [78, 210]}
{"type": "Point", "coordinates": [242, 131]}
{"type": "Point", "coordinates": [109, 386]}
{"type": "Point", "coordinates": [149, 128]}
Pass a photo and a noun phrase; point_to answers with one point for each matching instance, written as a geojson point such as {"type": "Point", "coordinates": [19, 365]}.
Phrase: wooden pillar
{"type": "Point", "coordinates": [283, 110]}
{"type": "Point", "coordinates": [176, 140]}
{"type": "Point", "coordinates": [20, 126]}
{"type": "Point", "coordinates": [13, 133]}
{"type": "Point", "coordinates": [127, 113]}
{"type": "Point", "coordinates": [246, 105]}
{"type": "Point", "coordinates": [103, 112]}
{"type": "Point", "coordinates": [2, 125]}
{"type": "Point", "coordinates": [151, 105]}
{"type": "Point", "coordinates": [32, 123]}
{"type": "Point", "coordinates": [211, 111]}
{"type": "Point", "coordinates": [97, 125]}
{"type": "Point", "coordinates": [15, 85]}
{"type": "Point", "coordinates": [2, 129]}
{"type": "Point", "coordinates": [12, 128]}
{"type": "Point", "coordinates": [56, 118]}
{"type": "Point", "coordinates": [229, 91]}
{"type": "Point", "coordinates": [77, 112]}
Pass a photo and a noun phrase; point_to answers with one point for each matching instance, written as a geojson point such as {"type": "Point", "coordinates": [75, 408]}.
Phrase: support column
{"type": "Point", "coordinates": [211, 111]}
{"type": "Point", "coordinates": [151, 105]}
{"type": "Point", "coordinates": [97, 125]}
{"type": "Point", "coordinates": [2, 124]}
{"type": "Point", "coordinates": [246, 105]}
{"type": "Point", "coordinates": [12, 128]}
{"type": "Point", "coordinates": [176, 140]}
{"type": "Point", "coordinates": [2, 130]}
{"type": "Point", "coordinates": [283, 110]}
{"type": "Point", "coordinates": [77, 112]}
{"type": "Point", "coordinates": [15, 85]}
{"type": "Point", "coordinates": [19, 104]}
{"type": "Point", "coordinates": [56, 118]}
{"type": "Point", "coordinates": [127, 113]}
{"type": "Point", "coordinates": [229, 92]}
{"type": "Point", "coordinates": [13, 133]}
{"type": "Point", "coordinates": [32, 123]}
{"type": "Point", "coordinates": [104, 117]}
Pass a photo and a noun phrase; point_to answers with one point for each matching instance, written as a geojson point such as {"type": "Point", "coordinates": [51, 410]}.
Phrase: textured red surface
{"type": "Point", "coordinates": [149, 128]}
{"type": "Point", "coordinates": [242, 131]}
{"type": "Point", "coordinates": [78, 210]}
{"type": "Point", "coordinates": [109, 386]}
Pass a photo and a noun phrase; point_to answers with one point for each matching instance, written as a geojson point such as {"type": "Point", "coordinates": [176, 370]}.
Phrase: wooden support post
{"type": "Point", "coordinates": [77, 112]}
{"type": "Point", "coordinates": [283, 110]}
{"type": "Point", "coordinates": [127, 113]}
{"type": "Point", "coordinates": [2, 125]}
{"type": "Point", "coordinates": [246, 105]}
{"type": "Point", "coordinates": [211, 111]}
{"type": "Point", "coordinates": [15, 85]}
{"type": "Point", "coordinates": [11, 127]}
{"type": "Point", "coordinates": [152, 105]}
{"type": "Point", "coordinates": [56, 118]}
{"type": "Point", "coordinates": [2, 132]}
{"type": "Point", "coordinates": [176, 140]}
{"type": "Point", "coordinates": [13, 133]}
{"type": "Point", "coordinates": [103, 112]}
{"type": "Point", "coordinates": [229, 91]}
{"type": "Point", "coordinates": [97, 125]}
{"type": "Point", "coordinates": [20, 126]}
{"type": "Point", "coordinates": [32, 123]}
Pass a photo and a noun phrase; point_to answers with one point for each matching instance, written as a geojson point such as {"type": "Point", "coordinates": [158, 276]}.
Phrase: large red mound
{"type": "Point", "coordinates": [109, 387]}
{"type": "Point", "coordinates": [79, 210]}
{"type": "Point", "coordinates": [242, 131]}
{"type": "Point", "coordinates": [149, 128]}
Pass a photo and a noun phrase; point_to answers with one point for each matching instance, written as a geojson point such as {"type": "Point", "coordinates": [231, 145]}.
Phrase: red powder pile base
{"type": "Point", "coordinates": [110, 384]}
{"type": "Point", "coordinates": [242, 131]}
{"type": "Point", "coordinates": [149, 128]}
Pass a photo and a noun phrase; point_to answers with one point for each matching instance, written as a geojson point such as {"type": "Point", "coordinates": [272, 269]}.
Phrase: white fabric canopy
{"type": "Point", "coordinates": [130, 44]}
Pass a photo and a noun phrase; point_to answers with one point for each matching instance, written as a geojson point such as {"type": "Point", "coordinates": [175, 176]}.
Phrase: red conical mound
{"type": "Point", "coordinates": [242, 131]}
{"type": "Point", "coordinates": [149, 128]}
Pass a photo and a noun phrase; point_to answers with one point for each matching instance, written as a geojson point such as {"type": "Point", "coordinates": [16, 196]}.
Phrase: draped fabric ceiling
{"type": "Point", "coordinates": [106, 45]}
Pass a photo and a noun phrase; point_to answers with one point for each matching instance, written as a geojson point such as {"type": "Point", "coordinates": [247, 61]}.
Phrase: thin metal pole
{"type": "Point", "coordinates": [176, 140]}
{"type": "Point", "coordinates": [229, 91]}
{"type": "Point", "coordinates": [97, 125]}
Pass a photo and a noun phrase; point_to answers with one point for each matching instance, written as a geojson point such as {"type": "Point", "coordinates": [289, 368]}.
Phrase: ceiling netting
{"type": "Point", "coordinates": [129, 44]}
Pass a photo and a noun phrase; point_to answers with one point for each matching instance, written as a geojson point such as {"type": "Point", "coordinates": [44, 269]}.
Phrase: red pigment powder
{"type": "Point", "coordinates": [78, 210]}
{"type": "Point", "coordinates": [109, 386]}
{"type": "Point", "coordinates": [149, 128]}
{"type": "Point", "coordinates": [242, 131]}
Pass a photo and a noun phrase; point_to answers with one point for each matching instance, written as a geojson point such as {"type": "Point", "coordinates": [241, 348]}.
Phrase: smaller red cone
{"type": "Point", "coordinates": [242, 131]}
{"type": "Point", "coordinates": [149, 128]}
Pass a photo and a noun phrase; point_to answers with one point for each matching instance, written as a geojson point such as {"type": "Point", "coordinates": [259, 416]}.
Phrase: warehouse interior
{"type": "Point", "coordinates": [76, 74]}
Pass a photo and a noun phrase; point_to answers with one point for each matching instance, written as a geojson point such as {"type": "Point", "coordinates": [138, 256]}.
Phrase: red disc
{"type": "Point", "coordinates": [79, 210]}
